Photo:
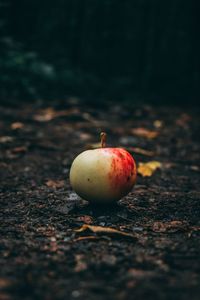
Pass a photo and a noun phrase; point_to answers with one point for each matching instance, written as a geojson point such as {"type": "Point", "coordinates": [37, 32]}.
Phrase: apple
{"type": "Point", "coordinates": [103, 174]}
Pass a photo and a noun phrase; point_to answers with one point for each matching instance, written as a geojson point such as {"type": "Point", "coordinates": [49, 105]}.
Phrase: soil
{"type": "Point", "coordinates": [42, 255]}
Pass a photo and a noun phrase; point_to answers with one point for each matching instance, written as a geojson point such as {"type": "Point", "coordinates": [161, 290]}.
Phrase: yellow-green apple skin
{"type": "Point", "coordinates": [103, 175]}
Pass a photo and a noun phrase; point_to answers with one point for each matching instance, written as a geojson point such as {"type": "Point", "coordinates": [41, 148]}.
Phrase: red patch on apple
{"type": "Point", "coordinates": [123, 169]}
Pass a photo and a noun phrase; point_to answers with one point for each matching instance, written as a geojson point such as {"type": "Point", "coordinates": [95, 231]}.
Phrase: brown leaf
{"type": "Point", "coordinates": [6, 139]}
{"type": "Point", "coordinates": [16, 152]}
{"type": "Point", "coordinates": [195, 228]}
{"type": "Point", "coordinates": [20, 149]}
{"type": "Point", "coordinates": [45, 115]}
{"type": "Point", "coordinates": [143, 132]}
{"type": "Point", "coordinates": [55, 183]}
{"type": "Point", "coordinates": [147, 169]}
{"type": "Point", "coordinates": [141, 151]}
{"type": "Point", "coordinates": [84, 136]}
{"type": "Point", "coordinates": [107, 230]}
{"type": "Point", "coordinates": [195, 168]}
{"type": "Point", "coordinates": [50, 113]}
{"type": "Point", "coordinates": [17, 125]}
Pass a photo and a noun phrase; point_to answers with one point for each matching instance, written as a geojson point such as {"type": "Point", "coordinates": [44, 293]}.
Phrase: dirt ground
{"type": "Point", "coordinates": [42, 255]}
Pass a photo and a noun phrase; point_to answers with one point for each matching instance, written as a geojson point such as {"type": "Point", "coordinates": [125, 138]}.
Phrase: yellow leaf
{"type": "Point", "coordinates": [158, 124]}
{"type": "Point", "coordinates": [147, 169]}
{"type": "Point", "coordinates": [106, 230]}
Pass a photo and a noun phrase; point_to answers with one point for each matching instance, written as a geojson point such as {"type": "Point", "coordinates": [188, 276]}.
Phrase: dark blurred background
{"type": "Point", "coordinates": [137, 49]}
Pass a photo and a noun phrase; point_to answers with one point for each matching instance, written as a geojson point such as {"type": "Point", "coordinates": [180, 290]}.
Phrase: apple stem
{"type": "Point", "coordinates": [103, 139]}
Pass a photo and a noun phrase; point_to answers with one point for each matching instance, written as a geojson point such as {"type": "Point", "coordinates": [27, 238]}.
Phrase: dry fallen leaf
{"type": "Point", "coordinates": [147, 169]}
{"type": "Point", "coordinates": [195, 228]}
{"type": "Point", "coordinates": [55, 183]}
{"type": "Point", "coordinates": [84, 136]}
{"type": "Point", "coordinates": [107, 230]}
{"type": "Point", "coordinates": [195, 168]}
{"type": "Point", "coordinates": [45, 115]}
{"type": "Point", "coordinates": [143, 132]}
{"type": "Point", "coordinates": [16, 125]}
{"type": "Point", "coordinates": [141, 151]}
{"type": "Point", "coordinates": [20, 149]}
{"type": "Point", "coordinates": [6, 139]}
{"type": "Point", "coordinates": [50, 113]}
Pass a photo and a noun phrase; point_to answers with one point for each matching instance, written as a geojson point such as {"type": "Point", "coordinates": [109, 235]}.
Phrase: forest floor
{"type": "Point", "coordinates": [42, 254]}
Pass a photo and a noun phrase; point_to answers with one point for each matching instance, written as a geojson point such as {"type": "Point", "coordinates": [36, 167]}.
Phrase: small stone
{"type": "Point", "coordinates": [75, 294]}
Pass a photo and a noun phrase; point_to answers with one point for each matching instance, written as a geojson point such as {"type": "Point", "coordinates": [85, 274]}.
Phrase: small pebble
{"type": "Point", "coordinates": [75, 294]}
